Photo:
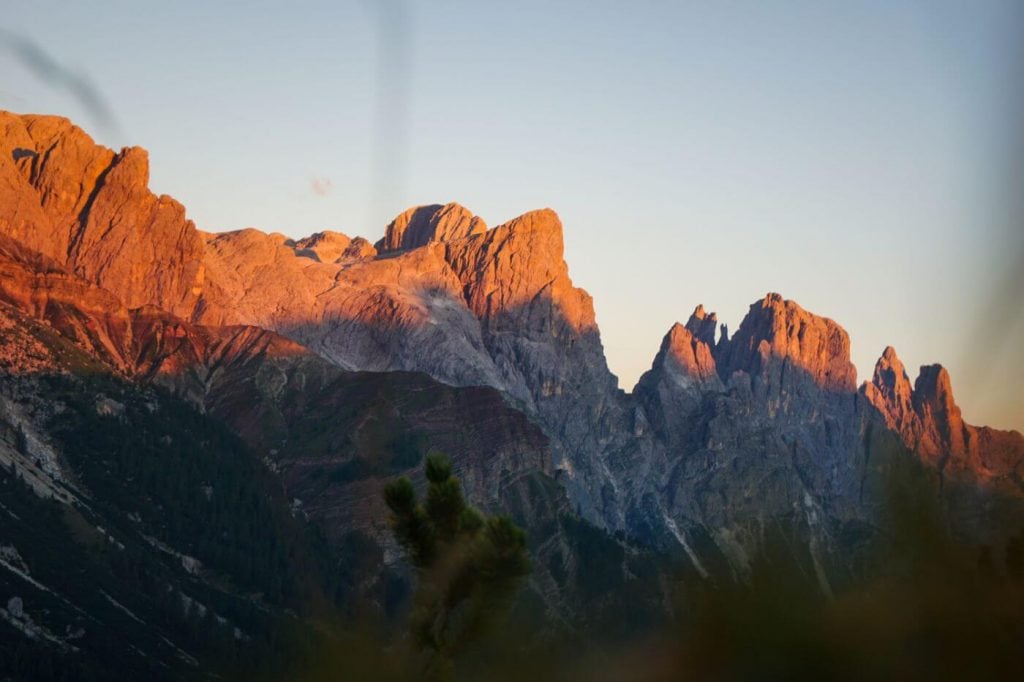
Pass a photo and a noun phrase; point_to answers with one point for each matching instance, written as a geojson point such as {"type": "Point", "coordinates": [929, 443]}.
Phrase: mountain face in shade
{"type": "Point", "coordinates": [719, 440]}
{"type": "Point", "coordinates": [684, 372]}
{"type": "Point", "coordinates": [325, 439]}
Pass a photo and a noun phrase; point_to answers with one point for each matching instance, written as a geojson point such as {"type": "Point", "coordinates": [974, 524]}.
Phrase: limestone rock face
{"type": "Point", "coordinates": [422, 225]}
{"type": "Point", "coordinates": [250, 273]}
{"type": "Point", "coordinates": [515, 278]}
{"type": "Point", "coordinates": [400, 313]}
{"type": "Point", "coordinates": [540, 333]}
{"type": "Point", "coordinates": [929, 422]}
{"type": "Point", "coordinates": [751, 429]}
{"type": "Point", "coordinates": [358, 249]}
{"type": "Point", "coordinates": [673, 394]}
{"type": "Point", "coordinates": [99, 218]}
{"type": "Point", "coordinates": [690, 353]}
{"type": "Point", "coordinates": [49, 170]}
{"type": "Point", "coordinates": [891, 392]}
{"type": "Point", "coordinates": [683, 372]}
{"type": "Point", "coordinates": [145, 342]}
{"type": "Point", "coordinates": [166, 263]}
{"type": "Point", "coordinates": [942, 424]}
{"type": "Point", "coordinates": [782, 348]}
{"type": "Point", "coordinates": [326, 247]}
{"type": "Point", "coordinates": [703, 325]}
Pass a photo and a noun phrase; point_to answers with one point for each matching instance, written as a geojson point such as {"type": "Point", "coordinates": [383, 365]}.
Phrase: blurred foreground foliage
{"type": "Point", "coordinates": [468, 566]}
{"type": "Point", "coordinates": [925, 607]}
{"type": "Point", "coordinates": [918, 602]}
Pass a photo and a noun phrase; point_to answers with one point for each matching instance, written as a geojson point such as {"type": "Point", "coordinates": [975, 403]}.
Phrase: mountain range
{"type": "Point", "coordinates": [303, 374]}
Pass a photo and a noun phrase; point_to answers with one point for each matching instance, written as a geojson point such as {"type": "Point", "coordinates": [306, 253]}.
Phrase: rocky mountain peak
{"type": "Point", "coordinates": [686, 355]}
{"type": "Point", "coordinates": [942, 422]}
{"type": "Point", "coordinates": [934, 390]}
{"type": "Point", "coordinates": [131, 168]}
{"type": "Point", "coordinates": [422, 225]}
{"type": "Point", "coordinates": [91, 211]}
{"type": "Point", "coordinates": [326, 246]}
{"type": "Point", "coordinates": [48, 171]}
{"type": "Point", "coordinates": [358, 249]}
{"type": "Point", "coordinates": [890, 376]}
{"type": "Point", "coordinates": [926, 417]}
{"type": "Point", "coordinates": [333, 247]}
{"type": "Point", "coordinates": [777, 332]}
{"type": "Point", "coordinates": [703, 325]}
{"type": "Point", "coordinates": [516, 273]}
{"type": "Point", "coordinates": [891, 393]}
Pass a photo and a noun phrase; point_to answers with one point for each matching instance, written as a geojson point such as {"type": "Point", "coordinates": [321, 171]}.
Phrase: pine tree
{"type": "Point", "coordinates": [468, 566]}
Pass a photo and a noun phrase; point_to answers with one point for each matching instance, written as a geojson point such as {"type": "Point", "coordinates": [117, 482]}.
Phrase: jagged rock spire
{"type": "Point", "coordinates": [686, 356]}
{"type": "Point", "coordinates": [703, 325]}
{"type": "Point", "coordinates": [925, 416]}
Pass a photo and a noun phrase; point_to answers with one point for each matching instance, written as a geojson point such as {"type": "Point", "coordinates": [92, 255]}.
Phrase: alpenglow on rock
{"type": "Point", "coordinates": [91, 210]}
{"type": "Point", "coordinates": [719, 439]}
{"type": "Point", "coordinates": [928, 421]}
{"type": "Point", "coordinates": [422, 225]}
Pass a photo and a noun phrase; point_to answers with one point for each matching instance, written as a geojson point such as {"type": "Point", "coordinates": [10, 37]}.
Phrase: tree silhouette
{"type": "Point", "coordinates": [468, 566]}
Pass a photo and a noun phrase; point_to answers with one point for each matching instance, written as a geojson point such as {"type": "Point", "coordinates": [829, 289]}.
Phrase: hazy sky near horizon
{"type": "Point", "coordinates": [861, 158]}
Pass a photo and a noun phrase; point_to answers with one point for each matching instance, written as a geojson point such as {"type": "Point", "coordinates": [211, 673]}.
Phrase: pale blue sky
{"type": "Point", "coordinates": [854, 156]}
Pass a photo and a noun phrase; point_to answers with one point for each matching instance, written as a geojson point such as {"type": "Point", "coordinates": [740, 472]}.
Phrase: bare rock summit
{"type": "Point", "coordinates": [422, 225]}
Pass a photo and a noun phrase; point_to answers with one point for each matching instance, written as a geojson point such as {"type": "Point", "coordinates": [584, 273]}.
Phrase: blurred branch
{"type": "Point", "coordinates": [48, 69]}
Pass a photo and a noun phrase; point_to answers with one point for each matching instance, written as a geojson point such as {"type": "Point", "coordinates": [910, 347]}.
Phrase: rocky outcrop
{"type": "Point", "coordinates": [125, 217]}
{"type": "Point", "coordinates": [91, 210]}
{"type": "Point", "coordinates": [496, 308]}
{"type": "Point", "coordinates": [49, 172]}
{"type": "Point", "coordinates": [929, 422]}
{"type": "Point", "coordinates": [684, 372]}
{"type": "Point", "coordinates": [703, 326]}
{"type": "Point", "coordinates": [891, 392]}
{"type": "Point", "coordinates": [422, 225]}
{"type": "Point", "coordinates": [405, 312]}
{"type": "Point", "coordinates": [787, 351]}
{"type": "Point", "coordinates": [358, 249]}
{"type": "Point", "coordinates": [333, 247]}
{"type": "Point", "coordinates": [689, 355]}
{"type": "Point", "coordinates": [515, 278]}
{"type": "Point", "coordinates": [326, 247]}
{"type": "Point", "coordinates": [541, 336]}
{"type": "Point", "coordinates": [753, 432]}
{"type": "Point", "coordinates": [942, 426]}
{"type": "Point", "coordinates": [146, 343]}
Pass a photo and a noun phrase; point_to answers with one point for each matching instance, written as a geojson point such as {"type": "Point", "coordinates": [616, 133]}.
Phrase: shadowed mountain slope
{"type": "Point", "coordinates": [325, 438]}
